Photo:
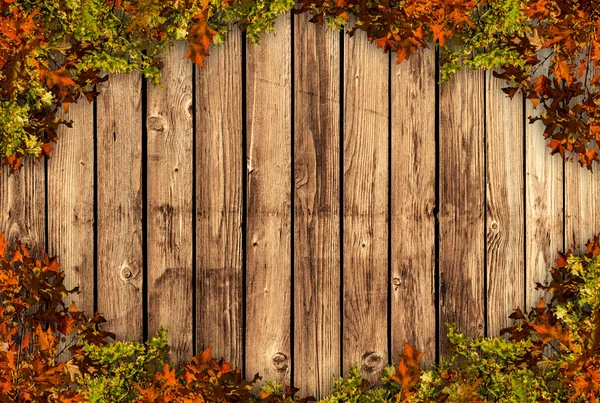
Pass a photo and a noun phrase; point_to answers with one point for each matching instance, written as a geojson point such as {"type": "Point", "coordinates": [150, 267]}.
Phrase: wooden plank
{"type": "Point", "coordinates": [269, 205]}
{"type": "Point", "coordinates": [413, 221]}
{"type": "Point", "coordinates": [461, 216]}
{"type": "Point", "coordinates": [582, 203]}
{"type": "Point", "coordinates": [505, 205]}
{"type": "Point", "coordinates": [170, 215]}
{"type": "Point", "coordinates": [544, 206]}
{"type": "Point", "coordinates": [71, 203]}
{"type": "Point", "coordinates": [317, 207]}
{"type": "Point", "coordinates": [219, 175]}
{"type": "Point", "coordinates": [119, 173]}
{"type": "Point", "coordinates": [365, 211]}
{"type": "Point", "coordinates": [22, 203]}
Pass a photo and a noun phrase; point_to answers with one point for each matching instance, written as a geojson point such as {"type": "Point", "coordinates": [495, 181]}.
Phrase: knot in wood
{"type": "Point", "coordinates": [396, 282]}
{"type": "Point", "coordinates": [372, 362]}
{"type": "Point", "coordinates": [280, 362]}
{"type": "Point", "coordinates": [126, 273]}
{"type": "Point", "coordinates": [494, 225]}
{"type": "Point", "coordinates": [156, 123]}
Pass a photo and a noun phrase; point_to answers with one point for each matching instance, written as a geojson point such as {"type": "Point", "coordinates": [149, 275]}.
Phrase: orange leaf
{"type": "Point", "coordinates": [200, 38]}
{"type": "Point", "coordinates": [562, 71]}
{"type": "Point", "coordinates": [408, 371]}
{"type": "Point", "coordinates": [59, 77]}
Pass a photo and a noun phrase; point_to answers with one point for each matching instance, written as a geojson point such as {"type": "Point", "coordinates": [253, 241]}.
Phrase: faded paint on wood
{"type": "Point", "coordinates": [462, 208]}
{"type": "Point", "coordinates": [219, 176]}
{"type": "Point", "coordinates": [413, 186]}
{"type": "Point", "coordinates": [268, 237]}
{"type": "Point", "coordinates": [71, 202]}
{"type": "Point", "coordinates": [505, 205]}
{"type": "Point", "coordinates": [317, 207]}
{"type": "Point", "coordinates": [544, 206]}
{"type": "Point", "coordinates": [365, 206]}
{"type": "Point", "coordinates": [23, 206]}
{"type": "Point", "coordinates": [120, 205]}
{"type": "Point", "coordinates": [169, 202]}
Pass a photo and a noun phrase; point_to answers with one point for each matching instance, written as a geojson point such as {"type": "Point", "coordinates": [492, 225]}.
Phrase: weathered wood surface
{"type": "Point", "coordinates": [219, 205]}
{"type": "Point", "coordinates": [317, 207]}
{"type": "Point", "coordinates": [71, 203]}
{"type": "Point", "coordinates": [335, 214]}
{"type": "Point", "coordinates": [120, 255]}
{"type": "Point", "coordinates": [582, 205]}
{"type": "Point", "coordinates": [269, 231]}
{"type": "Point", "coordinates": [413, 169]}
{"type": "Point", "coordinates": [365, 206]}
{"type": "Point", "coordinates": [23, 203]}
{"type": "Point", "coordinates": [170, 177]}
{"type": "Point", "coordinates": [462, 206]}
{"type": "Point", "coordinates": [504, 204]}
{"type": "Point", "coordinates": [544, 207]}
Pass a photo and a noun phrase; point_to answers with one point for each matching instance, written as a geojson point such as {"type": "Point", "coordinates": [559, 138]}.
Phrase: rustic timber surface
{"type": "Point", "coordinates": [302, 205]}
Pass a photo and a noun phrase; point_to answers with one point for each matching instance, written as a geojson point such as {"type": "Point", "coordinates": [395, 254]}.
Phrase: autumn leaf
{"type": "Point", "coordinates": [439, 35]}
{"type": "Point", "coordinates": [199, 38]}
{"type": "Point", "coordinates": [408, 370]}
{"type": "Point", "coordinates": [59, 77]}
{"type": "Point", "coordinates": [45, 339]}
{"type": "Point", "coordinates": [562, 71]}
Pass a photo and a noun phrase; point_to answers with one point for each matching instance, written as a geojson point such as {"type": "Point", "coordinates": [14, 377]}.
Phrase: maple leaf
{"type": "Point", "coordinates": [200, 39]}
{"type": "Point", "coordinates": [548, 332]}
{"type": "Point", "coordinates": [439, 34]}
{"type": "Point", "coordinates": [408, 370]}
{"type": "Point", "coordinates": [45, 339]}
{"type": "Point", "coordinates": [562, 71]}
{"type": "Point", "coordinates": [60, 77]}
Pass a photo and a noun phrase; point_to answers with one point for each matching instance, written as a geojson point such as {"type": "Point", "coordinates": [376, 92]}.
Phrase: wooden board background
{"type": "Point", "coordinates": [302, 205]}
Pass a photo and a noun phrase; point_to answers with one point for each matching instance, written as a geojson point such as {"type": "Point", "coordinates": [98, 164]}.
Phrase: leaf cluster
{"type": "Point", "coordinates": [54, 52]}
{"type": "Point", "coordinates": [547, 50]}
{"type": "Point", "coordinates": [34, 325]}
{"type": "Point", "coordinates": [550, 354]}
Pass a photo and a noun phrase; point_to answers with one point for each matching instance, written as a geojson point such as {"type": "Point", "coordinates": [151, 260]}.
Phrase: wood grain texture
{"type": "Point", "coordinates": [544, 205]}
{"type": "Point", "coordinates": [219, 176]}
{"type": "Point", "coordinates": [412, 218]}
{"type": "Point", "coordinates": [169, 201]}
{"type": "Point", "coordinates": [462, 209]}
{"type": "Point", "coordinates": [23, 207]}
{"type": "Point", "coordinates": [365, 210]}
{"type": "Point", "coordinates": [505, 205]}
{"type": "Point", "coordinates": [268, 235]}
{"type": "Point", "coordinates": [317, 207]}
{"type": "Point", "coordinates": [120, 205]}
{"type": "Point", "coordinates": [71, 203]}
{"type": "Point", "coordinates": [582, 205]}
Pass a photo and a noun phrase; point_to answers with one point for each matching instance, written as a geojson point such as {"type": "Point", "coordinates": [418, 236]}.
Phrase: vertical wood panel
{"type": "Point", "coordinates": [582, 204]}
{"type": "Point", "coordinates": [544, 205]}
{"type": "Point", "coordinates": [120, 205]}
{"type": "Point", "coordinates": [505, 210]}
{"type": "Point", "coordinates": [219, 201]}
{"type": "Point", "coordinates": [71, 203]}
{"type": "Point", "coordinates": [269, 204]}
{"type": "Point", "coordinates": [170, 178]}
{"type": "Point", "coordinates": [22, 199]}
{"type": "Point", "coordinates": [365, 206]}
{"type": "Point", "coordinates": [462, 206]}
{"type": "Point", "coordinates": [413, 202]}
{"type": "Point", "coordinates": [317, 207]}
